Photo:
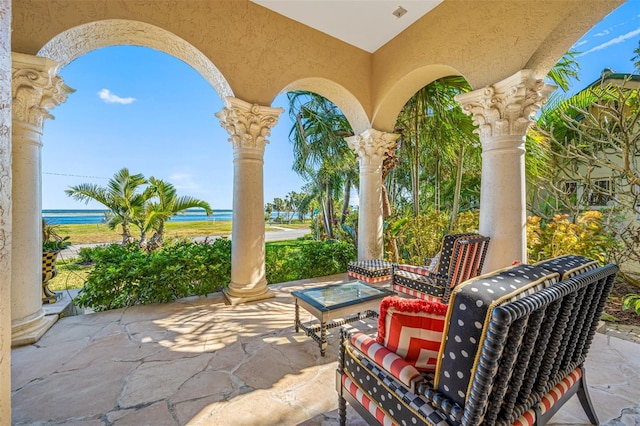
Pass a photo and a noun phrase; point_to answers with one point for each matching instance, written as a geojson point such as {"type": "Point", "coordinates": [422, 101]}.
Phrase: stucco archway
{"type": "Point", "coordinates": [387, 110]}
{"type": "Point", "coordinates": [75, 42]}
{"type": "Point", "coordinates": [341, 97]}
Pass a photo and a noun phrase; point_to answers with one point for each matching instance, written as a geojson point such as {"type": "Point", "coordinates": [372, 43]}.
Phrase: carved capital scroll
{"type": "Point", "coordinates": [36, 88]}
{"type": "Point", "coordinates": [507, 107]}
{"type": "Point", "coordinates": [248, 125]}
{"type": "Point", "coordinates": [371, 146]}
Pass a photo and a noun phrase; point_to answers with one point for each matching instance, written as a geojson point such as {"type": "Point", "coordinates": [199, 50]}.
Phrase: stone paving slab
{"type": "Point", "coordinates": [198, 361]}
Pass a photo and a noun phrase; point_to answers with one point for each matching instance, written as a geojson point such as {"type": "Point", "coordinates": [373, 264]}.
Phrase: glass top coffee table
{"type": "Point", "coordinates": [335, 305]}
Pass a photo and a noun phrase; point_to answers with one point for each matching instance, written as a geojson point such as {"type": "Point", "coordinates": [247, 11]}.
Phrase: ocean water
{"type": "Point", "coordinates": [72, 217]}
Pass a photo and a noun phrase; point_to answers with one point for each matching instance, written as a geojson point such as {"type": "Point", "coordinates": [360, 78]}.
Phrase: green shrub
{"type": "Point", "coordinates": [586, 237]}
{"type": "Point", "coordinates": [126, 275]}
{"type": "Point", "coordinates": [412, 239]}
{"type": "Point", "coordinates": [307, 259]}
{"type": "Point", "coordinates": [632, 301]}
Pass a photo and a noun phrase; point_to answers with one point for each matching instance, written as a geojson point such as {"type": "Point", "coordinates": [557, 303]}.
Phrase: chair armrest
{"type": "Point", "coordinates": [391, 363]}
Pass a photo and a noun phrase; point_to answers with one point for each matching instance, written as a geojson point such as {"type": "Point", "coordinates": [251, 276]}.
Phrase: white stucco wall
{"type": "Point", "coordinates": [5, 211]}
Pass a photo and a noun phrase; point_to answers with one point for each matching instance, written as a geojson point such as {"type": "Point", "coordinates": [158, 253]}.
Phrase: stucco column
{"type": "Point", "coordinates": [5, 210]}
{"type": "Point", "coordinates": [249, 125]}
{"type": "Point", "coordinates": [503, 112]}
{"type": "Point", "coordinates": [35, 89]}
{"type": "Point", "coordinates": [371, 146]}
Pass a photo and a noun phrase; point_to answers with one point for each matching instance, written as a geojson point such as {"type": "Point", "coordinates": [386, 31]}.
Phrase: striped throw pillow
{"type": "Point", "coordinates": [412, 329]}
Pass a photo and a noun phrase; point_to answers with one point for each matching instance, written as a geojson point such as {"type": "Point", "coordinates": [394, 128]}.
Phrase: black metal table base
{"type": "Point", "coordinates": [321, 339]}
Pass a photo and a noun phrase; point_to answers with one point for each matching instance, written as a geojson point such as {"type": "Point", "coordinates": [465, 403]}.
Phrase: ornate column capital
{"type": "Point", "coordinates": [508, 107]}
{"type": "Point", "coordinates": [248, 125]}
{"type": "Point", "coordinates": [371, 146]}
{"type": "Point", "coordinates": [36, 88]}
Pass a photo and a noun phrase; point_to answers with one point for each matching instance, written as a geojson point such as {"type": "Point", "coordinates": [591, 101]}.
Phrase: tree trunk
{"type": "Point", "coordinates": [345, 205]}
{"type": "Point", "coordinates": [437, 183]}
{"type": "Point", "coordinates": [415, 172]}
{"type": "Point", "coordinates": [126, 235]}
{"type": "Point", "coordinates": [456, 196]}
{"type": "Point", "coordinates": [157, 238]}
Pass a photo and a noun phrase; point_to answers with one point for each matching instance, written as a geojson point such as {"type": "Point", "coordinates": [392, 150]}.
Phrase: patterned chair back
{"type": "Point", "coordinates": [461, 258]}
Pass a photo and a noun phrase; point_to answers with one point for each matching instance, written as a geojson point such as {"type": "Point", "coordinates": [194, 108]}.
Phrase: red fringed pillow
{"type": "Point", "coordinates": [412, 328]}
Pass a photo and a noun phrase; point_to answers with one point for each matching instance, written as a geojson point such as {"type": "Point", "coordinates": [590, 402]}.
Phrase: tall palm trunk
{"type": "Point", "coordinates": [415, 171]}
{"type": "Point", "coordinates": [346, 199]}
{"type": "Point", "coordinates": [436, 196]}
{"type": "Point", "coordinates": [456, 196]}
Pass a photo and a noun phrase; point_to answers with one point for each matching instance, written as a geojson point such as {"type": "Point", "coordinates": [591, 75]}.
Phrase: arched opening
{"type": "Point", "coordinates": [384, 116]}
{"type": "Point", "coordinates": [435, 174]}
{"type": "Point", "coordinates": [71, 44]}
{"type": "Point", "coordinates": [317, 126]}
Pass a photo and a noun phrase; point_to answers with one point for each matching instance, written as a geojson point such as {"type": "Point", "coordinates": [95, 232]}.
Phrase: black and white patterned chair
{"type": "Point", "coordinates": [461, 258]}
{"type": "Point", "coordinates": [371, 271]}
{"type": "Point", "coordinates": [512, 352]}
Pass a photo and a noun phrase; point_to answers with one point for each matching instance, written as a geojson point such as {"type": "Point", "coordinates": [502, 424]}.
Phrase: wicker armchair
{"type": "Point", "coordinates": [512, 352]}
{"type": "Point", "coordinates": [461, 258]}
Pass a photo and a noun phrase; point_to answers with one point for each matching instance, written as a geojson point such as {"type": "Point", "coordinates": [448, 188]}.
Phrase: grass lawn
{"type": "Point", "coordinates": [100, 233]}
{"type": "Point", "coordinates": [70, 275]}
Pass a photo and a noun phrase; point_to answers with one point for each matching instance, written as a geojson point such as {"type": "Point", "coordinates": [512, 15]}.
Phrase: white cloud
{"type": "Point", "coordinates": [580, 43]}
{"type": "Point", "coordinates": [185, 182]}
{"type": "Point", "coordinates": [111, 98]}
{"type": "Point", "coordinates": [614, 41]}
{"type": "Point", "coordinates": [603, 33]}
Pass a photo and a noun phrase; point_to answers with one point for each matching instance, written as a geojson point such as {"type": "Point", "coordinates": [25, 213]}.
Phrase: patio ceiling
{"type": "Point", "coordinates": [366, 24]}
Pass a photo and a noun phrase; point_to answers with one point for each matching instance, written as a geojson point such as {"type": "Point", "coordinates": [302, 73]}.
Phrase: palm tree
{"type": "Point", "coordinates": [268, 208]}
{"type": "Point", "coordinates": [279, 205]}
{"type": "Point", "coordinates": [564, 70]}
{"type": "Point", "coordinates": [120, 197]}
{"type": "Point", "coordinates": [165, 205]}
{"type": "Point", "coordinates": [321, 155]}
{"type": "Point", "coordinates": [436, 139]}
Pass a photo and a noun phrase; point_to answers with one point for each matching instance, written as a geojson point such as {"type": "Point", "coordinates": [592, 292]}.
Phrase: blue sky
{"type": "Point", "coordinates": [142, 109]}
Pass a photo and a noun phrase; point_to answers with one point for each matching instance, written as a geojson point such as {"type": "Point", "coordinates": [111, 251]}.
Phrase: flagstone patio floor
{"type": "Point", "coordinates": [198, 361]}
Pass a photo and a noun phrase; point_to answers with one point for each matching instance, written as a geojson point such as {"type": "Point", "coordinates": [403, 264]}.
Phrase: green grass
{"type": "Point", "coordinates": [100, 233]}
{"type": "Point", "coordinates": [70, 275]}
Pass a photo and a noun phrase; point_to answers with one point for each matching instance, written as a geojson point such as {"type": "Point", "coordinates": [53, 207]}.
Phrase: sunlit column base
{"type": "Point", "coordinates": [236, 297]}
{"type": "Point", "coordinates": [29, 332]}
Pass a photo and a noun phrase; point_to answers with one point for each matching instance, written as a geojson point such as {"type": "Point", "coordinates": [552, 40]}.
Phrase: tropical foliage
{"type": "Point", "coordinates": [127, 275]}
{"type": "Point", "coordinates": [133, 201]}
{"type": "Point", "coordinates": [322, 156]}
{"type": "Point", "coordinates": [592, 147]}
{"type": "Point", "coordinates": [438, 153]}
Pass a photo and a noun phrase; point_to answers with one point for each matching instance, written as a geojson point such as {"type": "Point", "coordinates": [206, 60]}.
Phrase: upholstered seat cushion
{"type": "Point", "coordinates": [550, 398]}
{"type": "Point", "coordinates": [375, 270]}
{"type": "Point", "coordinates": [468, 317]}
{"type": "Point", "coordinates": [568, 265]}
{"type": "Point", "coordinates": [419, 282]}
{"type": "Point", "coordinates": [412, 329]}
{"type": "Point", "coordinates": [387, 400]}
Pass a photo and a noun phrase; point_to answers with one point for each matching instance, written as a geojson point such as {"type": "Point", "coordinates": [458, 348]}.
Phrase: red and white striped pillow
{"type": "Point", "coordinates": [412, 329]}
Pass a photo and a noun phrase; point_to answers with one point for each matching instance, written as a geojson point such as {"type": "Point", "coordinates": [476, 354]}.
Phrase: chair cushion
{"type": "Point", "coordinates": [550, 399]}
{"type": "Point", "coordinates": [419, 282]}
{"type": "Point", "coordinates": [468, 318]}
{"type": "Point", "coordinates": [412, 329]}
{"type": "Point", "coordinates": [366, 270]}
{"type": "Point", "coordinates": [391, 362]}
{"type": "Point", "coordinates": [569, 266]}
